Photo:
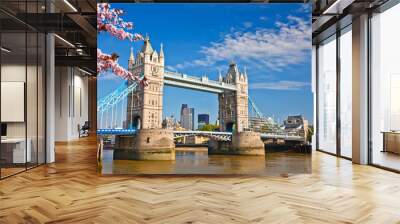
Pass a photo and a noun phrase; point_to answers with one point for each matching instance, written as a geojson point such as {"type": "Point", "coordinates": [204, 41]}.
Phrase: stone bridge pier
{"type": "Point", "coordinates": [233, 116]}
{"type": "Point", "coordinates": [145, 104]}
{"type": "Point", "coordinates": [243, 143]}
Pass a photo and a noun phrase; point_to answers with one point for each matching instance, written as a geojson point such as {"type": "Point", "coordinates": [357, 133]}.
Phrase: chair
{"type": "Point", "coordinates": [84, 130]}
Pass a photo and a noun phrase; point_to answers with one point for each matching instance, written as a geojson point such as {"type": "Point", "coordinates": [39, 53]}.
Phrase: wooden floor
{"type": "Point", "coordinates": [71, 191]}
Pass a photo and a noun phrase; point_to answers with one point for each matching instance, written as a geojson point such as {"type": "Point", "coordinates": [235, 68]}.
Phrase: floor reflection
{"type": "Point", "coordinates": [386, 159]}
{"type": "Point", "coordinates": [197, 161]}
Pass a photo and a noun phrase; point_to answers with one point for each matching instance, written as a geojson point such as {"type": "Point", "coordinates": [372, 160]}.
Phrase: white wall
{"type": "Point", "coordinates": [71, 102]}
{"type": "Point", "coordinates": [61, 103]}
{"type": "Point", "coordinates": [33, 126]}
{"type": "Point", "coordinates": [14, 73]}
{"type": "Point", "coordinates": [17, 73]}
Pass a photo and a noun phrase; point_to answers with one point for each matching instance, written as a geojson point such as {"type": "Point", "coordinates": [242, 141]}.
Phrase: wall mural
{"type": "Point", "coordinates": [189, 93]}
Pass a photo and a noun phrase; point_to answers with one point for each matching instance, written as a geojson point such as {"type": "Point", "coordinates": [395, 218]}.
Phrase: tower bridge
{"type": "Point", "coordinates": [145, 105]}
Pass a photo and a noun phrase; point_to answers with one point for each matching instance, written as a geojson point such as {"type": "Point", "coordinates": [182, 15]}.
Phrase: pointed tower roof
{"type": "Point", "coordinates": [131, 57]}
{"type": "Point", "coordinates": [147, 49]}
{"type": "Point", "coordinates": [233, 75]}
{"type": "Point", "coordinates": [219, 75]}
{"type": "Point", "coordinates": [233, 68]}
{"type": "Point", "coordinates": [154, 54]}
{"type": "Point", "coordinates": [161, 51]}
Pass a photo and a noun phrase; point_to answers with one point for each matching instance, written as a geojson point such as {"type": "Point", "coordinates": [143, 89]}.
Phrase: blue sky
{"type": "Point", "coordinates": [273, 41]}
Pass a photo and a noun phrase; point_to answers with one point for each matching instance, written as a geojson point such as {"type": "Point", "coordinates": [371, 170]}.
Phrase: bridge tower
{"type": "Point", "coordinates": [233, 105]}
{"type": "Point", "coordinates": [144, 110]}
{"type": "Point", "coordinates": [234, 116]}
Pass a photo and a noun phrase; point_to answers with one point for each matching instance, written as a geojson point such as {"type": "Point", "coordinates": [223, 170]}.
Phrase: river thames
{"type": "Point", "coordinates": [195, 160]}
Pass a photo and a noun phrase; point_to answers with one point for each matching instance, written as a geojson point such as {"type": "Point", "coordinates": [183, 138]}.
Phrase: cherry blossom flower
{"type": "Point", "coordinates": [107, 62]}
{"type": "Point", "coordinates": [108, 20]}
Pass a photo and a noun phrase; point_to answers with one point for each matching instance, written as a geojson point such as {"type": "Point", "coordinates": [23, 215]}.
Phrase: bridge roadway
{"type": "Point", "coordinates": [224, 136]}
{"type": "Point", "coordinates": [196, 83]}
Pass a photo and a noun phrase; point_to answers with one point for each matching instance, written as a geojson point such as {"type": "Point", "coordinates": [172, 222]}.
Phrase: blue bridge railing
{"type": "Point", "coordinates": [116, 131]}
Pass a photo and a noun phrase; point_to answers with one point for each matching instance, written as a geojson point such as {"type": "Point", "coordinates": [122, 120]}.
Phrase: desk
{"type": "Point", "coordinates": [391, 141]}
{"type": "Point", "coordinates": [13, 150]}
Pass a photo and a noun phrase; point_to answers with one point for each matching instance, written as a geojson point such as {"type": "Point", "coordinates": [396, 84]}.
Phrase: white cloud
{"type": "Point", "coordinates": [170, 67]}
{"type": "Point", "coordinates": [280, 85]}
{"type": "Point", "coordinates": [263, 18]}
{"type": "Point", "coordinates": [247, 24]}
{"type": "Point", "coordinates": [305, 8]}
{"type": "Point", "coordinates": [288, 44]}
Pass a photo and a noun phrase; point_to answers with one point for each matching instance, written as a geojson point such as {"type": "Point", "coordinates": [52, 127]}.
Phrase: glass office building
{"type": "Point", "coordinates": [357, 81]}
{"type": "Point", "coordinates": [203, 119]}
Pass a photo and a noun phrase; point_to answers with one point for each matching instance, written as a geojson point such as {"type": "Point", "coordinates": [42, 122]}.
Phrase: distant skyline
{"type": "Point", "coordinates": [273, 41]}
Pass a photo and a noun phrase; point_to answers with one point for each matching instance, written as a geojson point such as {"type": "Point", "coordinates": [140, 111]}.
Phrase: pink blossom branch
{"type": "Point", "coordinates": [108, 20]}
{"type": "Point", "coordinates": [107, 62]}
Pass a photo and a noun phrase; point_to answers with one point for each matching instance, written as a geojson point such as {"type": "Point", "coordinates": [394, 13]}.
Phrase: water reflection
{"type": "Point", "coordinates": [197, 161]}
